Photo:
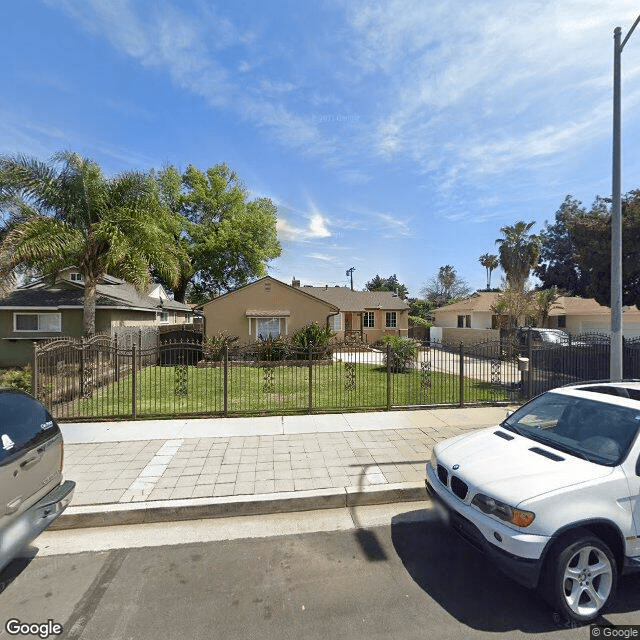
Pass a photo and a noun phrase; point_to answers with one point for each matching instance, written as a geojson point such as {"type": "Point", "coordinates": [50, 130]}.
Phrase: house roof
{"type": "Point", "coordinates": [302, 291]}
{"type": "Point", "coordinates": [348, 300]}
{"type": "Point", "coordinates": [111, 292]}
{"type": "Point", "coordinates": [480, 301]}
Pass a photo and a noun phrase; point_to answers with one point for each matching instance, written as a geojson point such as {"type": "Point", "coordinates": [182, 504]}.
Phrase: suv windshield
{"type": "Point", "coordinates": [598, 431]}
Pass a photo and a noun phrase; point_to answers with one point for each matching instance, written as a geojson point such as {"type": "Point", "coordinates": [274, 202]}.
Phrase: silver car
{"type": "Point", "coordinates": [32, 491]}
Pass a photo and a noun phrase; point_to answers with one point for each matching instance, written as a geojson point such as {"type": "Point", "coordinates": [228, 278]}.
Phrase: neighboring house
{"type": "Point", "coordinates": [573, 315]}
{"type": "Point", "coordinates": [44, 309]}
{"type": "Point", "coordinates": [269, 307]}
{"type": "Point", "coordinates": [585, 315]}
{"type": "Point", "coordinates": [367, 315]}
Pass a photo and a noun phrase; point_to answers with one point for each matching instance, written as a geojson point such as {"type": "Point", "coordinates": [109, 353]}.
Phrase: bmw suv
{"type": "Point", "coordinates": [552, 494]}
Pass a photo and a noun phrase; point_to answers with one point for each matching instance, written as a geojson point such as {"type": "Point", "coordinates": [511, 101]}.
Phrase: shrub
{"type": "Point", "coordinates": [214, 346]}
{"type": "Point", "coordinates": [314, 337]}
{"type": "Point", "coordinates": [16, 378]}
{"type": "Point", "coordinates": [273, 348]}
{"type": "Point", "coordinates": [403, 352]}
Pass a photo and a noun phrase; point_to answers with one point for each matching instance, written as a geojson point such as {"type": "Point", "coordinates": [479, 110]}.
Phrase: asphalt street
{"type": "Point", "coordinates": [391, 571]}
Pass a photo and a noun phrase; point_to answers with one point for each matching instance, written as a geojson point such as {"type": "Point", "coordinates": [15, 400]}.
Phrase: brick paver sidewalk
{"type": "Point", "coordinates": [140, 471]}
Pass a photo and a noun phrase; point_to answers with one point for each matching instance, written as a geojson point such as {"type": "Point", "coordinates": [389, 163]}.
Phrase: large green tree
{"type": "Point", "coordinates": [559, 265]}
{"type": "Point", "coordinates": [229, 238]}
{"type": "Point", "coordinates": [445, 287]}
{"type": "Point", "coordinates": [387, 284]}
{"type": "Point", "coordinates": [66, 212]}
{"type": "Point", "coordinates": [591, 233]}
{"type": "Point", "coordinates": [519, 251]}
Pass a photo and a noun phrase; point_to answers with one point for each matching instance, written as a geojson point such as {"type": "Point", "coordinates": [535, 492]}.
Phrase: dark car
{"type": "Point", "coordinates": [32, 491]}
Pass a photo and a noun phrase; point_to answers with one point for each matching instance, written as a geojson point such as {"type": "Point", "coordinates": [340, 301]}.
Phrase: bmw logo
{"type": "Point", "coordinates": [456, 467]}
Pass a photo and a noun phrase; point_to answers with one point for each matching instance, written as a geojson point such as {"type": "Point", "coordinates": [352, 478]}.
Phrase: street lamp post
{"type": "Point", "coordinates": [615, 364]}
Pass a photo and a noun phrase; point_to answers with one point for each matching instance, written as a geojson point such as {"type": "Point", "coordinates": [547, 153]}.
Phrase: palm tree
{"type": "Point", "coordinates": [70, 214]}
{"type": "Point", "coordinates": [519, 252]}
{"type": "Point", "coordinates": [489, 262]}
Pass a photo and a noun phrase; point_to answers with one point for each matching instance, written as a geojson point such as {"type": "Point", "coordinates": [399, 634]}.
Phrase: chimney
{"type": "Point", "coordinates": [295, 283]}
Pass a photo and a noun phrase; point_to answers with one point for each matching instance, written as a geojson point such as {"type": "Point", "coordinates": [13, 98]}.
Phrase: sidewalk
{"type": "Point", "coordinates": [150, 471]}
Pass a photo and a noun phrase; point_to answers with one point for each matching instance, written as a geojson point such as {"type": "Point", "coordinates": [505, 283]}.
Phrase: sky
{"type": "Point", "coordinates": [393, 136]}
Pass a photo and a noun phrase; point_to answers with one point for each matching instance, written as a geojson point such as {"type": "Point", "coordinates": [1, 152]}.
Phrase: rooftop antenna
{"type": "Point", "coordinates": [350, 273]}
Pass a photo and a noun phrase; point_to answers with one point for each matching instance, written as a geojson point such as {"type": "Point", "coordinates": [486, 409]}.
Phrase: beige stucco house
{"type": "Point", "coordinates": [47, 309]}
{"type": "Point", "coordinates": [269, 307]}
{"type": "Point", "coordinates": [571, 314]}
{"type": "Point", "coordinates": [265, 308]}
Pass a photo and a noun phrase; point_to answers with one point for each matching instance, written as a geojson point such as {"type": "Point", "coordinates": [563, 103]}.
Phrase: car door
{"type": "Point", "coordinates": [30, 454]}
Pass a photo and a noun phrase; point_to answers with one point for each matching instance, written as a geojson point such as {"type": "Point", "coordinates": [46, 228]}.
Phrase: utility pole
{"type": "Point", "coordinates": [615, 363]}
{"type": "Point", "coordinates": [350, 273]}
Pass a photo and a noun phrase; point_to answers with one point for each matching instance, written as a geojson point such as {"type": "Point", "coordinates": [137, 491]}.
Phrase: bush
{"type": "Point", "coordinates": [314, 337]}
{"type": "Point", "coordinates": [214, 346]}
{"type": "Point", "coordinates": [404, 352]}
{"type": "Point", "coordinates": [16, 379]}
{"type": "Point", "coordinates": [273, 349]}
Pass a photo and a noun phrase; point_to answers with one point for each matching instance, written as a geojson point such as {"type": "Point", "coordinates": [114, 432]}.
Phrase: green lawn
{"type": "Point", "coordinates": [170, 391]}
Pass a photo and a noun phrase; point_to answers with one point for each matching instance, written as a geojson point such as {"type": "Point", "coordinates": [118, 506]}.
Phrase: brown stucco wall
{"type": "Point", "coordinates": [228, 312]}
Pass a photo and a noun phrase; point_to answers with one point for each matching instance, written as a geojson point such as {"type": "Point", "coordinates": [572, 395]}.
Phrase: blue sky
{"type": "Point", "coordinates": [394, 137]}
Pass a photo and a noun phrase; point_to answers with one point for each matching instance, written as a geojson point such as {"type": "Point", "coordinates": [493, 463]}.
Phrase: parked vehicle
{"type": "Point", "coordinates": [32, 492]}
{"type": "Point", "coordinates": [540, 337]}
{"type": "Point", "coordinates": [552, 494]}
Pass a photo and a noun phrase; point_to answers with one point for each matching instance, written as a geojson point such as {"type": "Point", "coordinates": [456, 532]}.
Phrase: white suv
{"type": "Point", "coordinates": [553, 493]}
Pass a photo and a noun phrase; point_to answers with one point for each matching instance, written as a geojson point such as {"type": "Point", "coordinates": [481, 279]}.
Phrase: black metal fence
{"type": "Point", "coordinates": [101, 378]}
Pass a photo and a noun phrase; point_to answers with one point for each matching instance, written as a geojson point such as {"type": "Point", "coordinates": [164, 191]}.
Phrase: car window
{"type": "Point", "coordinates": [599, 431]}
{"type": "Point", "coordinates": [24, 423]}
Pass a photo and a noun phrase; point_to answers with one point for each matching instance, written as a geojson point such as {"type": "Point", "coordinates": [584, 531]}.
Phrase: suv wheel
{"type": "Point", "coordinates": [583, 576]}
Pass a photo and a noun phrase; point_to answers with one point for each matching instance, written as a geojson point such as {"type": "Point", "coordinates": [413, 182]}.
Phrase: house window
{"type": "Point", "coordinates": [368, 319]}
{"type": "Point", "coordinates": [460, 322]}
{"type": "Point", "coordinates": [464, 321]}
{"type": "Point", "coordinates": [164, 317]}
{"type": "Point", "coordinates": [75, 277]}
{"type": "Point", "coordinates": [392, 319]}
{"type": "Point", "coordinates": [41, 322]}
{"type": "Point", "coordinates": [267, 328]}
{"type": "Point", "coordinates": [335, 322]}
{"type": "Point", "coordinates": [562, 322]}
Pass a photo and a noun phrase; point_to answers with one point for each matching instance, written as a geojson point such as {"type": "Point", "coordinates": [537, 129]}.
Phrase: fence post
{"type": "Point", "coordinates": [116, 359]}
{"type": "Point", "coordinates": [225, 379]}
{"type": "Point", "coordinates": [140, 349]}
{"type": "Point", "coordinates": [34, 371]}
{"type": "Point", "coordinates": [461, 356]}
{"type": "Point", "coordinates": [82, 372]}
{"type": "Point", "coordinates": [310, 379]}
{"type": "Point", "coordinates": [530, 372]}
{"type": "Point", "coordinates": [134, 407]}
{"type": "Point", "coordinates": [389, 378]}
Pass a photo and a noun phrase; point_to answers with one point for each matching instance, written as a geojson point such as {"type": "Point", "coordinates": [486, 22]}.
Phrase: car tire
{"type": "Point", "coordinates": [581, 578]}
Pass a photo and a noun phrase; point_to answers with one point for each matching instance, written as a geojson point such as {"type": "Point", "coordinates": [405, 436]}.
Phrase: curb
{"type": "Point", "coordinates": [105, 515]}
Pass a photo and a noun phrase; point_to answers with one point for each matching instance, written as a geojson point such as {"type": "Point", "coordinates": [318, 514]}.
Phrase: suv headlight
{"type": "Point", "coordinates": [494, 507]}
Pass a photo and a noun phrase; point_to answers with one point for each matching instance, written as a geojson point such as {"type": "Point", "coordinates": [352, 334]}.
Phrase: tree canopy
{"type": "Point", "coordinates": [66, 212]}
{"type": "Point", "coordinates": [559, 265]}
{"type": "Point", "coordinates": [590, 232]}
{"type": "Point", "coordinates": [519, 251]}
{"type": "Point", "coordinates": [229, 239]}
{"type": "Point", "coordinates": [445, 287]}
{"type": "Point", "coordinates": [387, 284]}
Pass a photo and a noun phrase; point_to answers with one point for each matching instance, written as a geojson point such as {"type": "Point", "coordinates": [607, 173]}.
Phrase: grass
{"type": "Point", "coordinates": [170, 391]}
